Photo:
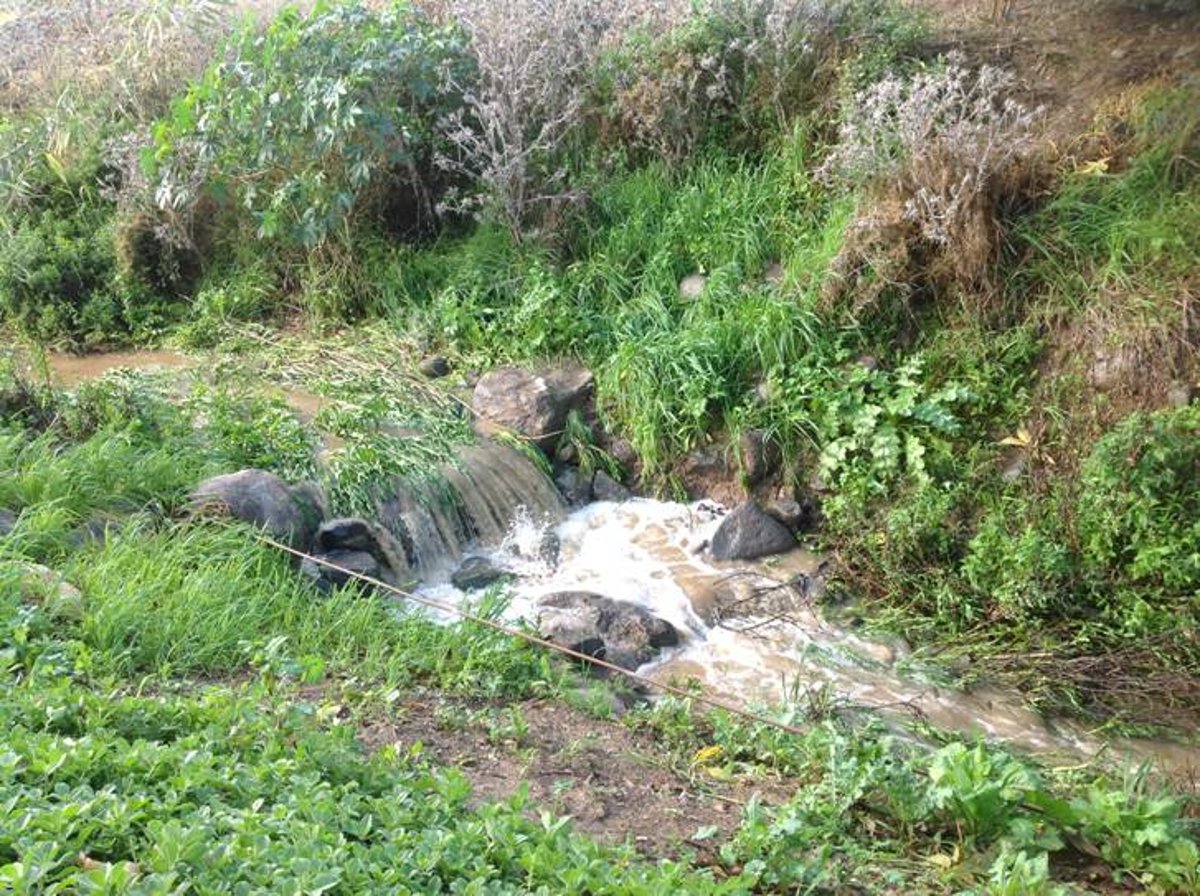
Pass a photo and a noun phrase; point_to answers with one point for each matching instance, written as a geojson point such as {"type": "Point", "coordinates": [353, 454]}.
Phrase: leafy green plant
{"type": "Point", "coordinates": [884, 426]}
{"type": "Point", "coordinates": [1139, 509]}
{"type": "Point", "coordinates": [309, 128]}
{"type": "Point", "coordinates": [982, 790]}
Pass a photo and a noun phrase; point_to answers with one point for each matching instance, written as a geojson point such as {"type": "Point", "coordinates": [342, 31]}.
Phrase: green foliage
{"type": "Point", "coordinates": [304, 128]}
{"type": "Point", "coordinates": [1139, 509]}
{"type": "Point", "coordinates": [58, 279]}
{"type": "Point", "coordinates": [882, 426]}
{"type": "Point", "coordinates": [983, 790]}
{"type": "Point", "coordinates": [230, 790]}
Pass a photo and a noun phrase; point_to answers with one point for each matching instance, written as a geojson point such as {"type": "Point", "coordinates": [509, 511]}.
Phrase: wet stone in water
{"type": "Point", "coordinates": [748, 533]}
{"type": "Point", "coordinates": [476, 573]}
{"type": "Point", "coordinates": [605, 488]}
{"type": "Point", "coordinates": [327, 578]}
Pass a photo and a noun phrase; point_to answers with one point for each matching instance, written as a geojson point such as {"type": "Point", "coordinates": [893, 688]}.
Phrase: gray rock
{"type": "Point", "coordinates": [8, 522]}
{"type": "Point", "coordinates": [574, 486]}
{"type": "Point", "coordinates": [788, 511]}
{"type": "Point", "coordinates": [692, 287]}
{"type": "Point", "coordinates": [605, 488]}
{"type": "Point", "coordinates": [42, 585]}
{"type": "Point", "coordinates": [348, 534]}
{"type": "Point", "coordinates": [476, 573]}
{"type": "Point", "coordinates": [749, 532]}
{"type": "Point", "coordinates": [629, 635]}
{"type": "Point", "coordinates": [573, 630]}
{"type": "Point", "coordinates": [359, 535]}
{"type": "Point", "coordinates": [434, 367]}
{"type": "Point", "coordinates": [532, 405]}
{"type": "Point", "coordinates": [1181, 395]}
{"type": "Point", "coordinates": [868, 363]}
{"type": "Point", "coordinates": [350, 563]}
{"type": "Point", "coordinates": [549, 548]}
{"type": "Point", "coordinates": [623, 453]}
{"type": "Point", "coordinates": [92, 533]}
{"type": "Point", "coordinates": [774, 273]}
{"type": "Point", "coordinates": [288, 513]}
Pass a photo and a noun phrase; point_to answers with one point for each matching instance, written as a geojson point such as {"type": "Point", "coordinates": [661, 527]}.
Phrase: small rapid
{"type": "Point", "coordinates": [753, 633]}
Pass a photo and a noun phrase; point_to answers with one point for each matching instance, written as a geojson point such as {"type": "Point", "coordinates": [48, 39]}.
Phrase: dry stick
{"type": "Point", "coordinates": [706, 699]}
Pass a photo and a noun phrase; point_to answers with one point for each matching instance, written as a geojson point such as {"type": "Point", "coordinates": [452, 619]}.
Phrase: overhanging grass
{"type": "Point", "coordinates": [209, 599]}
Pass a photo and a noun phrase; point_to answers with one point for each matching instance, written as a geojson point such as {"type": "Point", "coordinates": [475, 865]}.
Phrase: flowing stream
{"type": "Point", "coordinates": [751, 633]}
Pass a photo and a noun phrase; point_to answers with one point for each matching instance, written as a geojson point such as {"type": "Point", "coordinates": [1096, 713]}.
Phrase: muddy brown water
{"type": "Point", "coordinates": [71, 370]}
{"type": "Point", "coordinates": [739, 648]}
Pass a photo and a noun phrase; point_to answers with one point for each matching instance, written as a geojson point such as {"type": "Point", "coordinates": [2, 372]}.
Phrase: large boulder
{"type": "Point", "coordinates": [598, 626]}
{"type": "Point", "coordinates": [750, 532]}
{"type": "Point", "coordinates": [533, 405]}
{"type": "Point", "coordinates": [290, 514]}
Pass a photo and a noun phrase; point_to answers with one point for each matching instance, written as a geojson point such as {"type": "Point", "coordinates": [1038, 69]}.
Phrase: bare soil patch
{"type": "Point", "coordinates": [615, 783]}
{"type": "Point", "coordinates": [1073, 55]}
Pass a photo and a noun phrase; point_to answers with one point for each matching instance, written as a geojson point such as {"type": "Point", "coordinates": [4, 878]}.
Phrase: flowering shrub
{"type": "Point", "coordinates": [938, 156]}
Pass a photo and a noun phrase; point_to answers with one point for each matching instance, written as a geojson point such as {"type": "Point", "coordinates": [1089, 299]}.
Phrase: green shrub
{"type": "Point", "coordinates": [1139, 507]}
{"type": "Point", "coordinates": [322, 122]}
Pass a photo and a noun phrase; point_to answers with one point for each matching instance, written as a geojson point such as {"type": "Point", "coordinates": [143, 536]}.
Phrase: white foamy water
{"type": "Point", "coordinates": [652, 554]}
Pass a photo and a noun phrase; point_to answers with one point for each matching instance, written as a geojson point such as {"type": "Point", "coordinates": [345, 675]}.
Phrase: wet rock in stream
{"type": "Point", "coordinates": [349, 566]}
{"type": "Point", "coordinates": [530, 404]}
{"type": "Point", "coordinates": [750, 532]}
{"type": "Point", "coordinates": [476, 573]}
{"type": "Point", "coordinates": [597, 626]}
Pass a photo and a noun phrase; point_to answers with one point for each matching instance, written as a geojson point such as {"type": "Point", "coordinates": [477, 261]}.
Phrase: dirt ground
{"type": "Point", "coordinates": [1073, 56]}
{"type": "Point", "coordinates": [617, 784]}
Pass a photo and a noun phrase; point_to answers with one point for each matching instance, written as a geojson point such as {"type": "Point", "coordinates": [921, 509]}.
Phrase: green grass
{"type": "Point", "coordinates": [131, 740]}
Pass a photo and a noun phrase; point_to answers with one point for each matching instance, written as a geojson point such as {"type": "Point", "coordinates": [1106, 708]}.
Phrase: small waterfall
{"type": "Point", "coordinates": [474, 503]}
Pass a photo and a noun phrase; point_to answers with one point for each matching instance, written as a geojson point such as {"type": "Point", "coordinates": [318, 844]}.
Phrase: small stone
{"type": "Point", "coordinates": [868, 362]}
{"type": "Point", "coordinates": [434, 367]}
{"type": "Point", "coordinates": [43, 585]}
{"type": "Point", "coordinates": [574, 486]}
{"type": "Point", "coordinates": [8, 522]}
{"type": "Point", "coordinates": [605, 488]}
{"type": "Point", "coordinates": [774, 273]}
{"type": "Point", "coordinates": [788, 511]}
{"type": "Point", "coordinates": [476, 573]}
{"type": "Point", "coordinates": [622, 452]}
{"type": "Point", "coordinates": [760, 456]}
{"type": "Point", "coordinates": [549, 548]}
{"type": "Point", "coordinates": [1015, 468]}
{"type": "Point", "coordinates": [692, 286]}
